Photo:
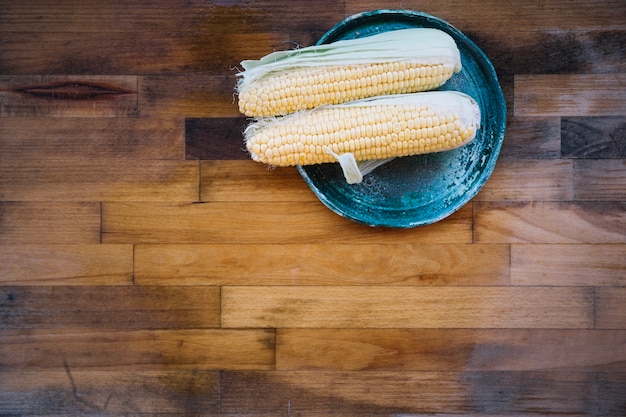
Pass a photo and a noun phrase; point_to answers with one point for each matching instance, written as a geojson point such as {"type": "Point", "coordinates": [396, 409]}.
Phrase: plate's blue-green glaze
{"type": "Point", "coordinates": [422, 189]}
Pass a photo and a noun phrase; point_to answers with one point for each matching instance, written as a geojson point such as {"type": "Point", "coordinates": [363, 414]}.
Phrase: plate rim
{"type": "Point", "coordinates": [404, 15]}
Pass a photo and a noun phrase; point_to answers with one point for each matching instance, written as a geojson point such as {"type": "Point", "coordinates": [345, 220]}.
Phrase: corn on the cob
{"type": "Point", "coordinates": [369, 129]}
{"type": "Point", "coordinates": [395, 62]}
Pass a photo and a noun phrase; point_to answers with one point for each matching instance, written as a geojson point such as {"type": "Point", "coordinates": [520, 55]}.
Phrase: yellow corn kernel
{"type": "Point", "coordinates": [377, 138]}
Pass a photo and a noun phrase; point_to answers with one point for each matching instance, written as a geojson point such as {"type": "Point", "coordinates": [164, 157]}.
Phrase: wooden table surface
{"type": "Point", "coordinates": [147, 266]}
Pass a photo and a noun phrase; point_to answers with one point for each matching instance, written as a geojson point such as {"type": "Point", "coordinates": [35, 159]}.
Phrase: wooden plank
{"type": "Point", "coordinates": [570, 95]}
{"type": "Point", "coordinates": [68, 95]}
{"type": "Point", "coordinates": [593, 137]}
{"type": "Point", "coordinates": [386, 393]}
{"type": "Point", "coordinates": [550, 222]}
{"type": "Point", "coordinates": [410, 307]}
{"type": "Point", "coordinates": [255, 222]}
{"type": "Point", "coordinates": [600, 180]}
{"type": "Point", "coordinates": [568, 265]}
{"type": "Point", "coordinates": [35, 222]}
{"type": "Point", "coordinates": [215, 138]}
{"type": "Point", "coordinates": [531, 138]}
{"type": "Point", "coordinates": [85, 138]}
{"type": "Point", "coordinates": [190, 96]}
{"type": "Point", "coordinates": [111, 180]}
{"type": "Point", "coordinates": [66, 264]}
{"type": "Point", "coordinates": [109, 307]}
{"type": "Point", "coordinates": [610, 311]}
{"type": "Point", "coordinates": [141, 350]}
{"type": "Point", "coordinates": [506, 17]}
{"type": "Point", "coordinates": [450, 350]}
{"type": "Point", "coordinates": [322, 264]}
{"type": "Point", "coordinates": [251, 181]}
{"type": "Point", "coordinates": [611, 393]}
{"type": "Point", "coordinates": [529, 180]}
{"type": "Point", "coordinates": [84, 392]}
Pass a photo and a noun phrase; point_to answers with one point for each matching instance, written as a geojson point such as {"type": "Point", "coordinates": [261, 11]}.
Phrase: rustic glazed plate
{"type": "Point", "coordinates": [423, 189]}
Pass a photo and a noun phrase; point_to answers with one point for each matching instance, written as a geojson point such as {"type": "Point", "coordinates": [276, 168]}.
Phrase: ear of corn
{"type": "Point", "coordinates": [395, 62]}
{"type": "Point", "coordinates": [370, 129]}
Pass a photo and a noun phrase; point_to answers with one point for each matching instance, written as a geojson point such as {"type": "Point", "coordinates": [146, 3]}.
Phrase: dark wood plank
{"type": "Point", "coordinates": [600, 179]}
{"type": "Point", "coordinates": [407, 307]}
{"type": "Point", "coordinates": [87, 138]}
{"type": "Point", "coordinates": [57, 96]}
{"type": "Point", "coordinates": [568, 265]}
{"type": "Point", "coordinates": [255, 222]}
{"type": "Point", "coordinates": [322, 264]}
{"type": "Point", "coordinates": [109, 307]}
{"type": "Point", "coordinates": [611, 393]}
{"type": "Point", "coordinates": [593, 137]}
{"type": "Point", "coordinates": [85, 392]}
{"type": "Point", "coordinates": [550, 222]}
{"type": "Point", "coordinates": [219, 138]}
{"type": "Point", "coordinates": [66, 264]}
{"type": "Point", "coordinates": [531, 138]}
{"type": "Point", "coordinates": [36, 222]}
{"type": "Point", "coordinates": [110, 180]}
{"type": "Point", "coordinates": [140, 350]}
{"type": "Point", "coordinates": [610, 311]}
{"type": "Point", "coordinates": [518, 393]}
{"type": "Point", "coordinates": [450, 350]}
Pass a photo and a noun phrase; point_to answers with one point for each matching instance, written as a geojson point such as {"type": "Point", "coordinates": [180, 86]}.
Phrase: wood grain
{"type": "Point", "coordinates": [409, 392]}
{"type": "Point", "coordinates": [51, 222]}
{"type": "Point", "coordinates": [91, 138]}
{"type": "Point", "coordinates": [570, 95]}
{"type": "Point", "coordinates": [531, 138]}
{"type": "Point", "coordinates": [66, 264]}
{"type": "Point", "coordinates": [446, 350]}
{"type": "Point", "coordinates": [593, 137]}
{"type": "Point", "coordinates": [108, 180]}
{"type": "Point", "coordinates": [600, 180]}
{"type": "Point", "coordinates": [140, 350]}
{"type": "Point", "coordinates": [529, 180]}
{"type": "Point", "coordinates": [568, 265]}
{"type": "Point", "coordinates": [610, 312]}
{"type": "Point", "coordinates": [108, 307]}
{"type": "Point", "coordinates": [255, 222]}
{"type": "Point", "coordinates": [321, 264]}
{"type": "Point", "coordinates": [219, 138]}
{"type": "Point", "coordinates": [58, 96]}
{"type": "Point", "coordinates": [50, 392]}
{"type": "Point", "coordinates": [410, 307]}
{"type": "Point", "coordinates": [550, 222]}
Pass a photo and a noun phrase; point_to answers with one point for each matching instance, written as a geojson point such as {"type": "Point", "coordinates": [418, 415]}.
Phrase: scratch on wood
{"type": "Point", "coordinates": [74, 389]}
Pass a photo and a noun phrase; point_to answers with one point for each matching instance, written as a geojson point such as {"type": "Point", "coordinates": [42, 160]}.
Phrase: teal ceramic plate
{"type": "Point", "coordinates": [422, 189]}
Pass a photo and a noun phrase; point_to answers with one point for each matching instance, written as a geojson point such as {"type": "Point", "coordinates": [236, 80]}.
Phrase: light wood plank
{"type": "Point", "coordinates": [87, 138]}
{"type": "Point", "coordinates": [256, 222]}
{"type": "Point", "coordinates": [600, 180]}
{"type": "Point", "coordinates": [109, 307]}
{"type": "Point", "coordinates": [69, 95]}
{"type": "Point", "coordinates": [568, 265]}
{"type": "Point", "coordinates": [509, 17]}
{"type": "Point", "coordinates": [610, 311]}
{"type": "Point", "coordinates": [81, 392]}
{"type": "Point", "coordinates": [322, 264]}
{"type": "Point", "coordinates": [410, 307]}
{"type": "Point", "coordinates": [110, 180]}
{"type": "Point", "coordinates": [386, 393]}
{"type": "Point", "coordinates": [450, 350]}
{"type": "Point", "coordinates": [550, 222]}
{"type": "Point", "coordinates": [141, 350]}
{"type": "Point", "coordinates": [570, 95]}
{"type": "Point", "coordinates": [251, 181]}
{"type": "Point", "coordinates": [66, 264]}
{"type": "Point", "coordinates": [49, 222]}
{"type": "Point", "coordinates": [529, 180]}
